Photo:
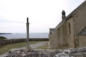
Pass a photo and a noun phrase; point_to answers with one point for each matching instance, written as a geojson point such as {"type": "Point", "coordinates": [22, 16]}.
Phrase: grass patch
{"type": "Point", "coordinates": [6, 48]}
{"type": "Point", "coordinates": [11, 46]}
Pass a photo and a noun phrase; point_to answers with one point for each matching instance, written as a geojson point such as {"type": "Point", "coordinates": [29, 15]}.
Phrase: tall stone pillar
{"type": "Point", "coordinates": [27, 30]}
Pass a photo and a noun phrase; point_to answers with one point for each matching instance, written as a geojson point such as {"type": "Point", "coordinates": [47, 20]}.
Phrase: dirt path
{"type": "Point", "coordinates": [33, 46]}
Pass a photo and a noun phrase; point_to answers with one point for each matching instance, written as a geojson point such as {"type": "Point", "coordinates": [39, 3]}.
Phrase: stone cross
{"type": "Point", "coordinates": [27, 30]}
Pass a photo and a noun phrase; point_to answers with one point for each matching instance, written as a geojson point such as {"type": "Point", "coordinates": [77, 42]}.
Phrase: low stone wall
{"type": "Point", "coordinates": [39, 39]}
{"type": "Point", "coordinates": [12, 41]}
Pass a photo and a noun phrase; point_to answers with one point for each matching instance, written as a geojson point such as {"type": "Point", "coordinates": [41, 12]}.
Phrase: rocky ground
{"type": "Point", "coordinates": [73, 52]}
{"type": "Point", "coordinates": [23, 52]}
{"type": "Point", "coordinates": [33, 46]}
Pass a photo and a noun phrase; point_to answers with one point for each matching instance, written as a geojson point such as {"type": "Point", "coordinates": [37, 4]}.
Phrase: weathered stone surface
{"type": "Point", "coordinates": [74, 52]}
{"type": "Point", "coordinates": [32, 53]}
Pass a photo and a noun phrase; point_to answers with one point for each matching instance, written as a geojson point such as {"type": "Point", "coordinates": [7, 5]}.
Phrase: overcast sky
{"type": "Point", "coordinates": [43, 14]}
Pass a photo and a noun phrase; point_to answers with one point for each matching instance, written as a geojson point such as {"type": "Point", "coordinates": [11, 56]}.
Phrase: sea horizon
{"type": "Point", "coordinates": [23, 35]}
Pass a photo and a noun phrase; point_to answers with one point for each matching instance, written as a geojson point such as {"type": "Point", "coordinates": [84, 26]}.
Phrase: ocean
{"type": "Point", "coordinates": [23, 35]}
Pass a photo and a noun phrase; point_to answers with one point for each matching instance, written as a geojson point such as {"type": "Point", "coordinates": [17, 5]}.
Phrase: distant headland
{"type": "Point", "coordinates": [5, 33]}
